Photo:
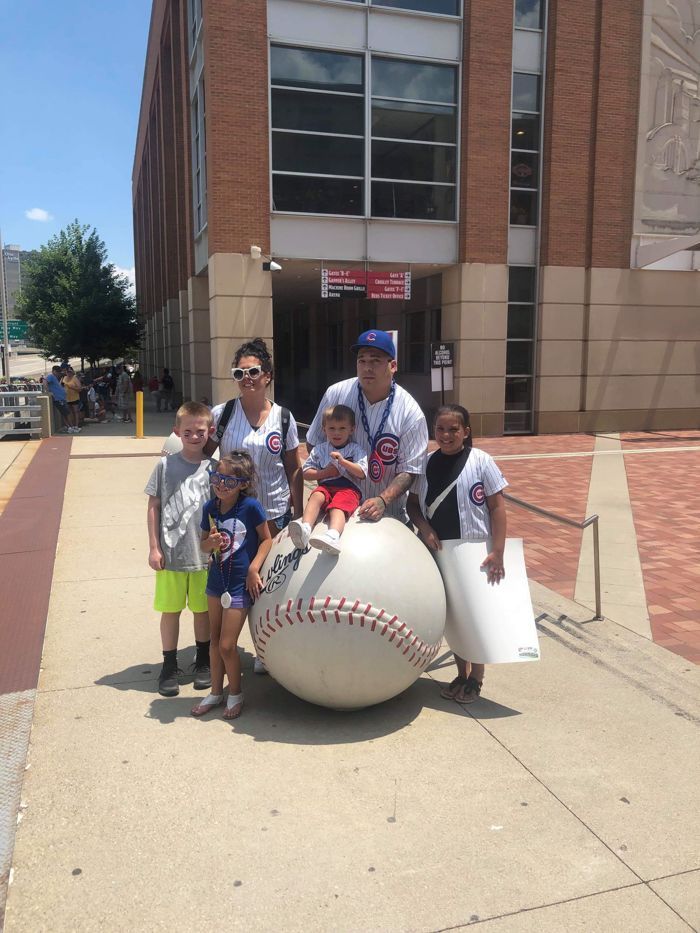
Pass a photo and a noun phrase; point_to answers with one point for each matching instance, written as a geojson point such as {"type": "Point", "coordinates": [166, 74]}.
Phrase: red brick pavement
{"type": "Point", "coordinates": [666, 515]}
{"type": "Point", "coordinates": [559, 485]}
{"type": "Point", "coordinates": [666, 511]}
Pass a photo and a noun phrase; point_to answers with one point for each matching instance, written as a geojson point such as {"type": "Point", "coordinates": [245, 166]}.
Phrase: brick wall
{"type": "Point", "coordinates": [236, 81]}
{"type": "Point", "coordinates": [591, 106]}
{"type": "Point", "coordinates": [485, 142]}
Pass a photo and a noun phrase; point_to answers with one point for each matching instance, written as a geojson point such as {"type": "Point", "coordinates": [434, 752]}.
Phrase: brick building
{"type": "Point", "coordinates": [534, 165]}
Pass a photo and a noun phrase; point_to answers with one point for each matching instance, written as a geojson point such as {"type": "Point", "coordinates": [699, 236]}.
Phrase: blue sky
{"type": "Point", "coordinates": [71, 74]}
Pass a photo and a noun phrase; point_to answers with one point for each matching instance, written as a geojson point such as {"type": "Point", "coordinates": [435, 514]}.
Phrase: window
{"type": "Point", "coordinates": [520, 364]}
{"type": "Point", "coordinates": [525, 143]}
{"type": "Point", "coordinates": [319, 159]}
{"type": "Point", "coordinates": [318, 145]}
{"type": "Point", "coordinates": [446, 7]}
{"type": "Point", "coordinates": [414, 140]}
{"type": "Point", "coordinates": [526, 92]}
{"type": "Point", "coordinates": [199, 158]}
{"type": "Point", "coordinates": [528, 14]}
{"type": "Point", "coordinates": [195, 8]}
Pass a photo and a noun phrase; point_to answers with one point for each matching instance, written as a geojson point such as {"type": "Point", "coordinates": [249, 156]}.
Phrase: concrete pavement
{"type": "Point", "coordinates": [565, 799]}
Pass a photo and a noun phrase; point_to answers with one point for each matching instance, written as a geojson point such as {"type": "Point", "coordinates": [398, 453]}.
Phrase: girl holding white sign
{"type": "Point", "coordinates": [461, 495]}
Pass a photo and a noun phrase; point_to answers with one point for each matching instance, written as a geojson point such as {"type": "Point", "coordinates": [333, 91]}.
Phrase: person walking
{"type": "Point", "coordinates": [124, 394]}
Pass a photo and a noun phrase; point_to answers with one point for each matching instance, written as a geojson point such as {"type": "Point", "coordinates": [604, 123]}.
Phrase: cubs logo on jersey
{"type": "Point", "coordinates": [273, 442]}
{"type": "Point", "coordinates": [387, 448]}
{"type": "Point", "coordinates": [477, 494]}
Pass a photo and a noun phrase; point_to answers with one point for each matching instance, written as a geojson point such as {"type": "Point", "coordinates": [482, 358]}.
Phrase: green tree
{"type": "Point", "coordinates": [75, 302]}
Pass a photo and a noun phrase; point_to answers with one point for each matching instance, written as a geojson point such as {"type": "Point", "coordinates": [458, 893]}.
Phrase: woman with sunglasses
{"type": "Point", "coordinates": [255, 425]}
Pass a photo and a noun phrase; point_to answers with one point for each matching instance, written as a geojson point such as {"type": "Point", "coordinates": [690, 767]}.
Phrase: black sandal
{"type": "Point", "coordinates": [449, 692]}
{"type": "Point", "coordinates": [470, 691]}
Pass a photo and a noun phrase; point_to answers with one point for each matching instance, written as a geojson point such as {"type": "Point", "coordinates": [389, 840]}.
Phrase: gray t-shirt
{"type": "Point", "coordinates": [182, 488]}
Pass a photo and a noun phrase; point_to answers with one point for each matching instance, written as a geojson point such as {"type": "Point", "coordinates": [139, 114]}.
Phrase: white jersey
{"type": "Point", "coordinates": [264, 444]}
{"type": "Point", "coordinates": [320, 458]}
{"type": "Point", "coordinates": [479, 478]}
{"type": "Point", "coordinates": [401, 448]}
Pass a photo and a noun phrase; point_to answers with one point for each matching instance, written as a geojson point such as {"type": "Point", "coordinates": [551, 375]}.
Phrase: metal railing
{"type": "Point", "coordinates": [591, 520]}
{"type": "Point", "coordinates": [552, 516]}
{"type": "Point", "coordinates": [20, 412]}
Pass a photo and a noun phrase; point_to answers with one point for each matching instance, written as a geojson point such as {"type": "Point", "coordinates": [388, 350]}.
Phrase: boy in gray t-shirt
{"type": "Point", "coordinates": [177, 491]}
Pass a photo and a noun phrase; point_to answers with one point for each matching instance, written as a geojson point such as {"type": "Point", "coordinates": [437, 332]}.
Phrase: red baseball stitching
{"type": "Point", "coordinates": [297, 612]}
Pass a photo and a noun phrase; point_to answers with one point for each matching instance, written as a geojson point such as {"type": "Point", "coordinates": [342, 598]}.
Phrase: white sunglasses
{"type": "Point", "coordinates": [252, 372]}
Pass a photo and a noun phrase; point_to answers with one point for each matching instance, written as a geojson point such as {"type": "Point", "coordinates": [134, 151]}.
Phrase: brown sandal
{"type": "Point", "coordinates": [470, 691]}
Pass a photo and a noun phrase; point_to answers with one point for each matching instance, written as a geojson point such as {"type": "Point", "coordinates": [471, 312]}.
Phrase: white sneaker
{"type": "Point", "coordinates": [299, 532]}
{"type": "Point", "coordinates": [329, 542]}
{"type": "Point", "coordinates": [258, 666]}
{"type": "Point", "coordinates": [72, 431]}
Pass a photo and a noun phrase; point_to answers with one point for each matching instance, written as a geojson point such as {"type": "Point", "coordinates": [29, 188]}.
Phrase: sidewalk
{"type": "Point", "coordinates": [565, 799]}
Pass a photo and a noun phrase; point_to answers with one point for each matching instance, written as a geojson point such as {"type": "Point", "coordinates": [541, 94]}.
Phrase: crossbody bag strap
{"type": "Point", "coordinates": [224, 420]}
{"type": "Point", "coordinates": [437, 502]}
{"type": "Point", "coordinates": [285, 417]}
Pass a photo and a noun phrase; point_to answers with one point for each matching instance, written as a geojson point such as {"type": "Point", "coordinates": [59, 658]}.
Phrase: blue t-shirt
{"type": "Point", "coordinates": [228, 570]}
{"type": "Point", "coordinates": [55, 388]}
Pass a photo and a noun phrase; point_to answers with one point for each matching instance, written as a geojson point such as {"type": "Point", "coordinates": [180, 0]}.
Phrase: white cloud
{"type": "Point", "coordinates": [130, 275]}
{"type": "Point", "coordinates": [38, 213]}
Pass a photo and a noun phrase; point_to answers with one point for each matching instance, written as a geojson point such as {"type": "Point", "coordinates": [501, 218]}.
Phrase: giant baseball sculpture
{"type": "Point", "coordinates": [354, 630]}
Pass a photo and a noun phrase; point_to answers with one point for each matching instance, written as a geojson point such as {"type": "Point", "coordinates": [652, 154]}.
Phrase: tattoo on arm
{"type": "Point", "coordinates": [400, 484]}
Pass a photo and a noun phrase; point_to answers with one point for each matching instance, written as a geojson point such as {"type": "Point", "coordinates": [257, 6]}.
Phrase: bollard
{"type": "Point", "coordinates": [139, 414]}
{"type": "Point", "coordinates": [46, 403]}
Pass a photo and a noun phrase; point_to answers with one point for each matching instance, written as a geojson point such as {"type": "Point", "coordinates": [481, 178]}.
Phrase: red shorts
{"type": "Point", "coordinates": [345, 498]}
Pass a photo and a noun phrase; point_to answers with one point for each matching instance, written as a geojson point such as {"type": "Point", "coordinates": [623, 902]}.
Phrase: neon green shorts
{"type": "Point", "coordinates": [176, 589]}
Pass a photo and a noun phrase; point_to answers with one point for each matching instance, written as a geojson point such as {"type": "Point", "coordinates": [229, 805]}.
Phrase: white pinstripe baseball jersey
{"type": "Point", "coordinates": [320, 458]}
{"type": "Point", "coordinates": [403, 443]}
{"type": "Point", "coordinates": [479, 478]}
{"type": "Point", "coordinates": [264, 446]}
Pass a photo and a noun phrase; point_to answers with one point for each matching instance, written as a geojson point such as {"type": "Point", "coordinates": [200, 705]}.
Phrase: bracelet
{"type": "Point", "coordinates": [383, 501]}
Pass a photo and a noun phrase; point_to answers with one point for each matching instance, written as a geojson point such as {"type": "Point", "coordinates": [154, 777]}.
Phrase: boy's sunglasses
{"type": "Point", "coordinates": [253, 372]}
{"type": "Point", "coordinates": [228, 482]}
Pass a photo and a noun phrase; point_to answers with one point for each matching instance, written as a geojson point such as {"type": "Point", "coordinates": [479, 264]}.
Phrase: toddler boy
{"type": "Point", "coordinates": [333, 464]}
{"type": "Point", "coordinates": [177, 491]}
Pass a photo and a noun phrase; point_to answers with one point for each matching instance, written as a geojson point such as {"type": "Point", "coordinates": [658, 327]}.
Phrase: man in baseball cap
{"type": "Point", "coordinates": [389, 425]}
{"type": "Point", "coordinates": [377, 340]}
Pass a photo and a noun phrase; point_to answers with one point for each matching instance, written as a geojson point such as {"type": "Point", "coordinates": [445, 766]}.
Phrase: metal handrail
{"type": "Point", "coordinates": [552, 516]}
{"type": "Point", "coordinates": [591, 520]}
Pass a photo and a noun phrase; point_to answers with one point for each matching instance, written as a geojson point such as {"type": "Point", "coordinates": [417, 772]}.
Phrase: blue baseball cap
{"type": "Point", "coordinates": [376, 340]}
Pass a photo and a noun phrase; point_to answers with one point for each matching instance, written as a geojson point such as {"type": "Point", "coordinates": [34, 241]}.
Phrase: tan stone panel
{"type": "Point", "coordinates": [663, 288]}
{"type": "Point", "coordinates": [200, 357]}
{"type": "Point", "coordinates": [558, 393]}
{"type": "Point", "coordinates": [239, 315]}
{"type": "Point", "coordinates": [476, 281]}
{"type": "Point", "coordinates": [472, 320]}
{"type": "Point", "coordinates": [480, 358]}
{"type": "Point", "coordinates": [653, 322]}
{"type": "Point", "coordinates": [221, 390]}
{"type": "Point", "coordinates": [561, 321]}
{"type": "Point", "coordinates": [557, 422]}
{"type": "Point", "coordinates": [222, 353]}
{"type": "Point", "coordinates": [235, 274]}
{"type": "Point", "coordinates": [199, 322]}
{"type": "Point", "coordinates": [639, 420]}
{"type": "Point", "coordinates": [198, 291]}
{"type": "Point", "coordinates": [491, 425]}
{"type": "Point", "coordinates": [563, 284]}
{"type": "Point", "coordinates": [606, 392]}
{"type": "Point", "coordinates": [485, 394]}
{"type": "Point", "coordinates": [643, 357]}
{"type": "Point", "coordinates": [559, 357]}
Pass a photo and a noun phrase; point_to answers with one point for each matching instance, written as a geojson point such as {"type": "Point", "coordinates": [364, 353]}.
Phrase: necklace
{"type": "Point", "coordinates": [375, 467]}
{"type": "Point", "coordinates": [226, 596]}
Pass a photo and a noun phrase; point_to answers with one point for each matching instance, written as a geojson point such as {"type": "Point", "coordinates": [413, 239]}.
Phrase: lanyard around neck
{"type": "Point", "coordinates": [385, 414]}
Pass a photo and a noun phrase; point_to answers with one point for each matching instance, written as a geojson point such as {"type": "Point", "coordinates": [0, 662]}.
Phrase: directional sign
{"type": "Point", "coordinates": [337, 283]}
{"type": "Point", "coordinates": [383, 285]}
{"type": "Point", "coordinates": [17, 330]}
{"type": "Point", "coordinates": [356, 283]}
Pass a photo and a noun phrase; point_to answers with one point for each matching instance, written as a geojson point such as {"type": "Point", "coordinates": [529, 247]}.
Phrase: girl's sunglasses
{"type": "Point", "coordinates": [253, 372]}
{"type": "Point", "coordinates": [228, 482]}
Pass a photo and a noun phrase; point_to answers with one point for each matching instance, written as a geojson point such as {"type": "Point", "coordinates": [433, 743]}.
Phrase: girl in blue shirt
{"type": "Point", "coordinates": [236, 534]}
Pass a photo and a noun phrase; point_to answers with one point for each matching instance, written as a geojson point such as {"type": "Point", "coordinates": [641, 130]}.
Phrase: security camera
{"type": "Point", "coordinates": [255, 252]}
{"type": "Point", "coordinates": [272, 266]}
